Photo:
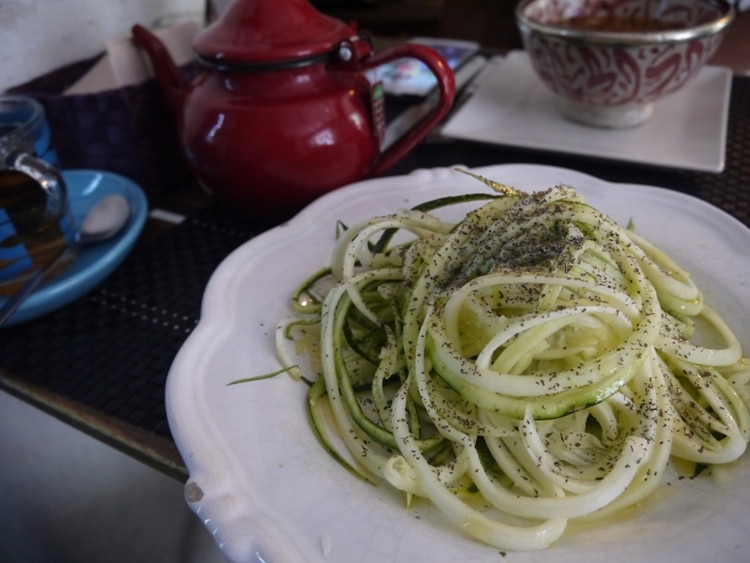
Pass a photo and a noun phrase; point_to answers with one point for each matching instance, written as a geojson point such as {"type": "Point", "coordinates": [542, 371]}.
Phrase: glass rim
{"type": "Point", "coordinates": [28, 124]}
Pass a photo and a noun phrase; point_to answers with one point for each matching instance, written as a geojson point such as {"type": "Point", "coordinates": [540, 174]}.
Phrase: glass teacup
{"type": "Point", "coordinates": [36, 223]}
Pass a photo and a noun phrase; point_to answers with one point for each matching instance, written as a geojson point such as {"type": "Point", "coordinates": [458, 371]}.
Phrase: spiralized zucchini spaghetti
{"type": "Point", "coordinates": [533, 364]}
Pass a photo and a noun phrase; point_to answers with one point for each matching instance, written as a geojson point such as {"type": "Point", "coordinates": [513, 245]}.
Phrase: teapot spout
{"type": "Point", "coordinates": [172, 84]}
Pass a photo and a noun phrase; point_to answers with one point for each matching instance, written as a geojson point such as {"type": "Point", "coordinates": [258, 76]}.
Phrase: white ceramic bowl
{"type": "Point", "coordinates": [610, 60]}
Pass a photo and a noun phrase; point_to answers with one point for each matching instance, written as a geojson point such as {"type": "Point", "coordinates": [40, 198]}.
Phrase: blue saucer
{"type": "Point", "coordinates": [94, 262]}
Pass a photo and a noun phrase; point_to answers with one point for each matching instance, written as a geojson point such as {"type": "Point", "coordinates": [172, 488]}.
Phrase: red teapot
{"type": "Point", "coordinates": [282, 111]}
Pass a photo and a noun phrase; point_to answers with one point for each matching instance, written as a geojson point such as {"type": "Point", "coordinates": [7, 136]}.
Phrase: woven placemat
{"type": "Point", "coordinates": [112, 349]}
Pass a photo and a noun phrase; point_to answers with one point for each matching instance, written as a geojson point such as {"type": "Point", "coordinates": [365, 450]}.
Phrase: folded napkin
{"type": "Point", "coordinates": [123, 64]}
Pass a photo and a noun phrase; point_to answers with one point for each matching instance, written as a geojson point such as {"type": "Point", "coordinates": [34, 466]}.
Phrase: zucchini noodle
{"type": "Point", "coordinates": [532, 364]}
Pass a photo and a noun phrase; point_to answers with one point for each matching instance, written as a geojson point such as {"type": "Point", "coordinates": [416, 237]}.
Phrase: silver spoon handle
{"type": "Point", "coordinates": [15, 300]}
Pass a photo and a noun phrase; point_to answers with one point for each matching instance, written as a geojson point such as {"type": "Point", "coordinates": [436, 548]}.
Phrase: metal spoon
{"type": "Point", "coordinates": [103, 221]}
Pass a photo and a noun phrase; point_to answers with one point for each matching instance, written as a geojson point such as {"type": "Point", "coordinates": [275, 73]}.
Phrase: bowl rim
{"type": "Point", "coordinates": [627, 38]}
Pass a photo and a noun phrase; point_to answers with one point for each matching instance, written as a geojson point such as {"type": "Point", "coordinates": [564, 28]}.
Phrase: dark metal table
{"type": "Point", "coordinates": [101, 363]}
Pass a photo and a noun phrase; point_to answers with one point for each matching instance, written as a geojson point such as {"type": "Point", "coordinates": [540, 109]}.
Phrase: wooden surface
{"type": "Point", "coordinates": [734, 51]}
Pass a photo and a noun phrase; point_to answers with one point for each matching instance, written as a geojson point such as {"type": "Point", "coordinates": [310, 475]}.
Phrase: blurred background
{"type": "Point", "coordinates": [42, 35]}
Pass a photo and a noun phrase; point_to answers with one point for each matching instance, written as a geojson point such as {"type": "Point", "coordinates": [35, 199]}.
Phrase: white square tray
{"type": "Point", "coordinates": [509, 105]}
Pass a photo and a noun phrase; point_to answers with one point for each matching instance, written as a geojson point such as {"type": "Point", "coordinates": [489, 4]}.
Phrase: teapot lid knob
{"type": "Point", "coordinates": [265, 31]}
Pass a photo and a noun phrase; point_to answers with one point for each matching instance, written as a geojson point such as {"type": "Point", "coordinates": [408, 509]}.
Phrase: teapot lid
{"type": "Point", "coordinates": [255, 32]}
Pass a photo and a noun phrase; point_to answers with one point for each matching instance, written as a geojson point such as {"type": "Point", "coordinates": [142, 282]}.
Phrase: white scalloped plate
{"type": "Point", "coordinates": [267, 491]}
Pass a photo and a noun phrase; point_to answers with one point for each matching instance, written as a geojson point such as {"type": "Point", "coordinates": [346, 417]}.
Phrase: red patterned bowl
{"type": "Point", "coordinates": [610, 60]}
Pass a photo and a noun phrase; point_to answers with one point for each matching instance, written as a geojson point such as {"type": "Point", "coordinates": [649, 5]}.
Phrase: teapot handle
{"type": "Point", "coordinates": [446, 94]}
